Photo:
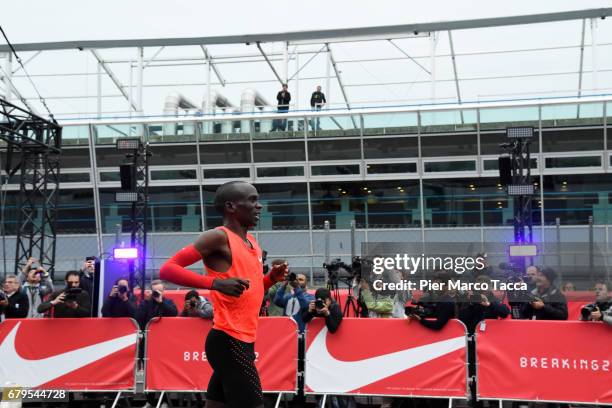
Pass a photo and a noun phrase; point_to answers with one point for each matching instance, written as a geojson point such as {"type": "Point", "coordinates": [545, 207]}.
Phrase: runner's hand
{"type": "Point", "coordinates": [231, 287]}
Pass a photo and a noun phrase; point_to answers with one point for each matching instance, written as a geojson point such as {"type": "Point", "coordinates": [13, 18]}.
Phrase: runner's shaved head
{"type": "Point", "coordinates": [231, 191]}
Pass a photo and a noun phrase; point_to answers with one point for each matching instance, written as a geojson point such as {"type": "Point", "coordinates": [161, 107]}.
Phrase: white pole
{"type": "Point", "coordinates": [297, 79]}
{"type": "Point", "coordinates": [285, 62]}
{"type": "Point", "coordinates": [327, 89]}
{"type": "Point", "coordinates": [433, 38]}
{"type": "Point", "coordinates": [99, 96]}
{"type": "Point", "coordinates": [594, 51]}
{"type": "Point", "coordinates": [131, 91]}
{"type": "Point", "coordinates": [140, 78]}
{"type": "Point", "coordinates": [208, 108]}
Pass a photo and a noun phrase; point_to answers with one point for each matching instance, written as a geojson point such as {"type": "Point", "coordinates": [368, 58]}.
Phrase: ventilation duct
{"type": "Point", "coordinates": [174, 104]}
{"type": "Point", "coordinates": [251, 101]}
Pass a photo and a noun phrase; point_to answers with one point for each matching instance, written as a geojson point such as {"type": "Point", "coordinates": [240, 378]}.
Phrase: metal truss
{"type": "Point", "coordinates": [139, 216]}
{"type": "Point", "coordinates": [37, 144]}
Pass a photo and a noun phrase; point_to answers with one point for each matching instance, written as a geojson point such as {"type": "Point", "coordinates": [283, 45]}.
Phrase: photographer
{"type": "Point", "coordinates": [531, 277]}
{"type": "Point", "coordinates": [324, 306]}
{"type": "Point", "coordinates": [13, 302]}
{"type": "Point", "coordinates": [72, 301]}
{"type": "Point", "coordinates": [155, 305]}
{"type": "Point", "coordinates": [36, 285]}
{"type": "Point", "coordinates": [294, 303]}
{"type": "Point", "coordinates": [274, 310]}
{"type": "Point", "coordinates": [437, 307]}
{"type": "Point", "coordinates": [601, 310]}
{"type": "Point", "coordinates": [197, 306]}
{"type": "Point", "coordinates": [480, 305]}
{"type": "Point", "coordinates": [88, 271]}
{"type": "Point", "coordinates": [386, 303]}
{"type": "Point", "coordinates": [546, 300]}
{"type": "Point", "coordinates": [120, 301]}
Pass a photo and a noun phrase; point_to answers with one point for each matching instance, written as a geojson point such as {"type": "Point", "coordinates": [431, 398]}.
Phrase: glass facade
{"type": "Point", "coordinates": [366, 168]}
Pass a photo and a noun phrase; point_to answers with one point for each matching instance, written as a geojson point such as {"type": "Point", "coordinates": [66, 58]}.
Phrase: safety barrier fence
{"type": "Point", "coordinates": [516, 360]}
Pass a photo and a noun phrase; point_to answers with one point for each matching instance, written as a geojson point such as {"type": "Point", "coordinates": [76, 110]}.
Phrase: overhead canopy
{"type": "Point", "coordinates": [394, 56]}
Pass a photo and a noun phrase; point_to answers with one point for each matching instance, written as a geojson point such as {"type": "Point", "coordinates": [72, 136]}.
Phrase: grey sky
{"type": "Point", "coordinates": [406, 82]}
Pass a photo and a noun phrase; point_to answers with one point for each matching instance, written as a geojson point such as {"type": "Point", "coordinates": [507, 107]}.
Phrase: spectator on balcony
{"type": "Point", "coordinates": [13, 302]}
{"type": "Point", "coordinates": [317, 101]}
{"type": "Point", "coordinates": [283, 97]}
{"type": "Point", "coordinates": [120, 301]}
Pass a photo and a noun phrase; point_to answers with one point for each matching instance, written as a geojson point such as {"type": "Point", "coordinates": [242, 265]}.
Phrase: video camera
{"type": "Point", "coordinates": [334, 269]}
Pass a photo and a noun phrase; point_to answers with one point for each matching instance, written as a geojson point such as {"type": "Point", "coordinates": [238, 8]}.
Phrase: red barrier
{"type": "Point", "coordinates": [386, 357]}
{"type": "Point", "coordinates": [176, 360]}
{"type": "Point", "coordinates": [545, 361]}
{"type": "Point", "coordinates": [69, 354]}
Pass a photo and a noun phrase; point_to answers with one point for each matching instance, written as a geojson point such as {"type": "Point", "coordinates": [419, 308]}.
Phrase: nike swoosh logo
{"type": "Point", "coordinates": [32, 373]}
{"type": "Point", "coordinates": [324, 373]}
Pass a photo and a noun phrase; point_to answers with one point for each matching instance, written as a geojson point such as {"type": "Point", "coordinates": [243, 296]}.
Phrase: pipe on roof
{"type": "Point", "coordinates": [173, 103]}
{"type": "Point", "coordinates": [252, 101]}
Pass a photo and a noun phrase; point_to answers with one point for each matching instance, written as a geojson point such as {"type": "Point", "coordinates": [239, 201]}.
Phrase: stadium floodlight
{"type": "Point", "coordinates": [126, 197]}
{"type": "Point", "coordinates": [125, 253]}
{"type": "Point", "coordinates": [523, 250]}
{"type": "Point", "coordinates": [520, 189]}
{"type": "Point", "coordinates": [131, 143]}
{"type": "Point", "coordinates": [519, 132]}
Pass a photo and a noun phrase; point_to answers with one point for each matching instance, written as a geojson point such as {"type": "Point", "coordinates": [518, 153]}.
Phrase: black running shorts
{"type": "Point", "coordinates": [235, 380]}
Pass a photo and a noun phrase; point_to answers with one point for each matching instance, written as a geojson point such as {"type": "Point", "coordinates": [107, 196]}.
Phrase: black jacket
{"type": "Point", "coordinates": [117, 307]}
{"type": "Point", "coordinates": [148, 309]}
{"type": "Point", "coordinates": [61, 310]}
{"type": "Point", "coordinates": [17, 307]}
{"type": "Point", "coordinates": [332, 321]}
{"type": "Point", "coordinates": [87, 283]}
{"type": "Point", "coordinates": [472, 313]}
{"type": "Point", "coordinates": [443, 309]}
{"type": "Point", "coordinates": [283, 99]}
{"type": "Point", "coordinates": [317, 99]}
{"type": "Point", "coordinates": [555, 306]}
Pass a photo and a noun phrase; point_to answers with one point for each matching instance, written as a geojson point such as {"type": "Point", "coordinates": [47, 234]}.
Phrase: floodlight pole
{"type": "Point", "coordinates": [139, 215]}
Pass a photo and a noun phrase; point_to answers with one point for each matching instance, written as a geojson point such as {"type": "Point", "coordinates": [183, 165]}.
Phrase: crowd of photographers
{"type": "Point", "coordinates": [31, 294]}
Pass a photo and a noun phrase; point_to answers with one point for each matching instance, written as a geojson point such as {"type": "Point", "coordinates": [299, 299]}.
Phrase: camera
{"type": "Point", "coordinates": [122, 289]}
{"type": "Point", "coordinates": [156, 294]}
{"type": "Point", "coordinates": [586, 310]}
{"type": "Point", "coordinates": [71, 294]}
{"type": "Point", "coordinates": [291, 277]}
{"type": "Point", "coordinates": [319, 304]}
{"type": "Point", "coordinates": [419, 309]}
{"type": "Point", "coordinates": [193, 302]}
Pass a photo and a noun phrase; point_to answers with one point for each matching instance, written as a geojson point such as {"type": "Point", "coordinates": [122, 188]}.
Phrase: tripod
{"type": "Point", "coordinates": [351, 303]}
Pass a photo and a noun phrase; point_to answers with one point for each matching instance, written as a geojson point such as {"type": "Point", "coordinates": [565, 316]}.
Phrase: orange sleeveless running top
{"type": "Point", "coordinates": [239, 316]}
